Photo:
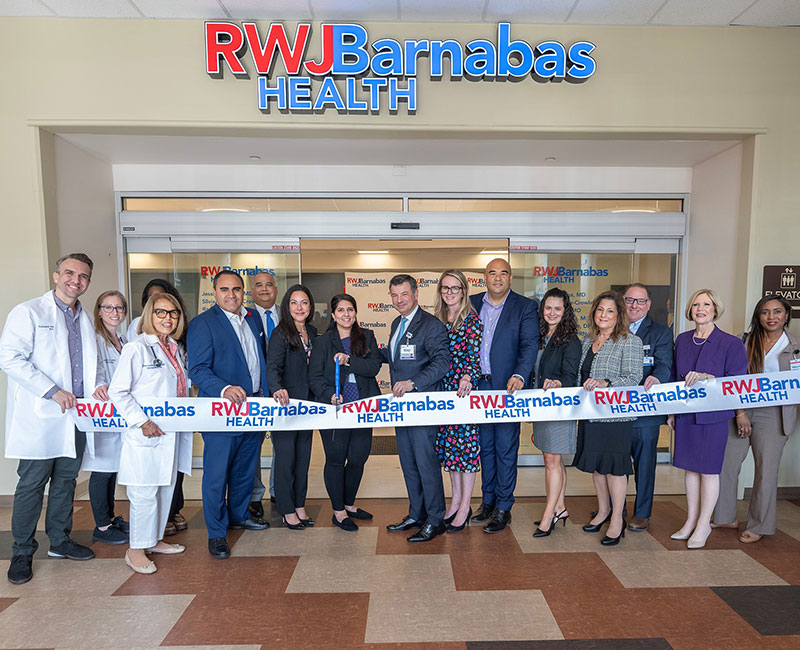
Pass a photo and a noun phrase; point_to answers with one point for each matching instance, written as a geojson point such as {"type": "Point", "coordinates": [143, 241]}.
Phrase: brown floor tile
{"type": "Point", "coordinates": [442, 645]}
{"type": "Point", "coordinates": [779, 553]}
{"type": "Point", "coordinates": [5, 602]}
{"type": "Point", "coordinates": [573, 644]}
{"type": "Point", "coordinates": [288, 621]}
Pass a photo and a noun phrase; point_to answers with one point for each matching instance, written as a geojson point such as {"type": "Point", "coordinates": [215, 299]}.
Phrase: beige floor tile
{"type": "Point", "coordinates": [357, 574]}
{"type": "Point", "coordinates": [56, 622]}
{"type": "Point", "coordinates": [460, 616]}
{"type": "Point", "coordinates": [185, 647]}
{"type": "Point", "coordinates": [698, 568]}
{"type": "Point", "coordinates": [322, 542]}
{"type": "Point", "coordinates": [788, 519]}
{"type": "Point", "coordinates": [570, 539]}
{"type": "Point", "coordinates": [67, 578]}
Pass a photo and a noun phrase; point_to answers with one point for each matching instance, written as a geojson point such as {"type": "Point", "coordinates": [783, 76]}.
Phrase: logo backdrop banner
{"type": "Point", "coordinates": [259, 414]}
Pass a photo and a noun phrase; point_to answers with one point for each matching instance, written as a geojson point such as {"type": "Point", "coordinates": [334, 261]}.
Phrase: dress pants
{"type": "Point", "coordinates": [421, 472]}
{"type": "Point", "coordinates": [229, 465]}
{"type": "Point", "coordinates": [177, 497]}
{"type": "Point", "coordinates": [259, 489]}
{"type": "Point", "coordinates": [644, 449]}
{"type": "Point", "coordinates": [29, 496]}
{"type": "Point", "coordinates": [101, 496]}
{"type": "Point", "coordinates": [767, 441]}
{"type": "Point", "coordinates": [499, 457]}
{"type": "Point", "coordinates": [150, 507]}
{"type": "Point", "coordinates": [346, 452]}
{"type": "Point", "coordinates": [292, 456]}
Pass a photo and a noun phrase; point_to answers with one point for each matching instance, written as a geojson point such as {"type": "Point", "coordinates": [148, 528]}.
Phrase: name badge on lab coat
{"type": "Point", "coordinates": [408, 352]}
{"type": "Point", "coordinates": [794, 364]}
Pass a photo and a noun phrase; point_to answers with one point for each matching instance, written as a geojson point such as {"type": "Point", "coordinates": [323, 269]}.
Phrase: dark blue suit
{"type": "Point", "coordinates": [415, 445]}
{"type": "Point", "coordinates": [230, 460]}
{"type": "Point", "coordinates": [658, 346]}
{"type": "Point", "coordinates": [513, 352]}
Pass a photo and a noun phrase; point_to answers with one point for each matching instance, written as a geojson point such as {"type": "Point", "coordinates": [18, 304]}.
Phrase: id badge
{"type": "Point", "coordinates": [408, 352]}
{"type": "Point", "coordinates": [648, 361]}
{"type": "Point", "coordinates": [794, 364]}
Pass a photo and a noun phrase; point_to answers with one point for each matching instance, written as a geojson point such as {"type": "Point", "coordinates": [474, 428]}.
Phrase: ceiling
{"type": "Point", "coordinates": [484, 151]}
{"type": "Point", "coordinates": [763, 13]}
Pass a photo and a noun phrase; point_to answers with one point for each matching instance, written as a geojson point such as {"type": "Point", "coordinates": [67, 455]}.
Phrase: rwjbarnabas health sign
{"type": "Point", "coordinates": [352, 74]}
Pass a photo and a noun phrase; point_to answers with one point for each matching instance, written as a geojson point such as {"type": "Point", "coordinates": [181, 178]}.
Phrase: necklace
{"type": "Point", "coordinates": [695, 340]}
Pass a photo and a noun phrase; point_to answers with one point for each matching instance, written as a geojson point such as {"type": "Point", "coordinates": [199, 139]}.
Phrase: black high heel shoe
{"type": "Point", "coordinates": [546, 533]}
{"type": "Point", "coordinates": [613, 541]}
{"type": "Point", "coordinates": [455, 529]}
{"type": "Point", "coordinates": [559, 517]}
{"type": "Point", "coordinates": [449, 520]}
{"type": "Point", "coordinates": [308, 523]}
{"type": "Point", "coordinates": [595, 528]}
{"type": "Point", "coordinates": [298, 526]}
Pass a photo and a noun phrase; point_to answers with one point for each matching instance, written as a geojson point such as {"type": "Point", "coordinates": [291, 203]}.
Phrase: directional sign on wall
{"type": "Point", "coordinates": [783, 280]}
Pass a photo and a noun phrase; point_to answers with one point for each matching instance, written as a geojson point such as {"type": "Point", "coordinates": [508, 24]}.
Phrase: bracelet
{"type": "Point", "coordinates": [741, 414]}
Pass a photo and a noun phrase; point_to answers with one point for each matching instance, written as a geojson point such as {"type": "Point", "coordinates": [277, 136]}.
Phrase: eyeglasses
{"type": "Point", "coordinates": [638, 301]}
{"type": "Point", "coordinates": [451, 289]}
{"type": "Point", "coordinates": [109, 308]}
{"type": "Point", "coordinates": [163, 313]}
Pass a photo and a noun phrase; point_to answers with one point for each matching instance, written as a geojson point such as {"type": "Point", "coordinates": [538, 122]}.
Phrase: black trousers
{"type": "Point", "coordinates": [291, 458]}
{"type": "Point", "coordinates": [101, 496]}
{"type": "Point", "coordinates": [177, 497]}
{"type": "Point", "coordinates": [346, 452]}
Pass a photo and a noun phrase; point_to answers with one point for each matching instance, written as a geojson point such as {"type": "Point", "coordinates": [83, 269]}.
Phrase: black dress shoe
{"type": "Point", "coordinates": [271, 499]}
{"type": "Point", "coordinates": [427, 533]}
{"type": "Point", "coordinates": [297, 526]}
{"type": "Point", "coordinates": [358, 513]}
{"type": "Point", "coordinates": [407, 524]}
{"type": "Point", "coordinates": [613, 541]}
{"type": "Point", "coordinates": [485, 512]}
{"type": "Point", "coordinates": [595, 528]}
{"type": "Point", "coordinates": [218, 547]}
{"type": "Point", "coordinates": [308, 523]}
{"type": "Point", "coordinates": [20, 570]}
{"type": "Point", "coordinates": [499, 521]}
{"type": "Point", "coordinates": [345, 524]}
{"type": "Point", "coordinates": [253, 523]}
{"type": "Point", "coordinates": [454, 529]}
{"type": "Point", "coordinates": [256, 509]}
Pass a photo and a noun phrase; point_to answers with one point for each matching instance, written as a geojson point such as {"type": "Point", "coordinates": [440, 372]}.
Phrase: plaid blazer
{"type": "Point", "coordinates": [619, 361]}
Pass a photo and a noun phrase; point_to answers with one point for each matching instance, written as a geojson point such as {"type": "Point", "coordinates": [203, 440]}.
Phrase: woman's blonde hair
{"type": "Point", "coordinates": [99, 325]}
{"type": "Point", "coordinates": [440, 309]}
{"type": "Point", "coordinates": [719, 306]}
{"type": "Point", "coordinates": [146, 324]}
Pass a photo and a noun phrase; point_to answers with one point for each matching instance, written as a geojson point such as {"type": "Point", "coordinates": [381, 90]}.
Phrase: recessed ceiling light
{"type": "Point", "coordinates": [374, 252]}
{"type": "Point", "coordinates": [255, 157]}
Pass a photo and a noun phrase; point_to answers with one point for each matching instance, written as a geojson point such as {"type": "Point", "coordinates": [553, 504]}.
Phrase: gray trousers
{"type": "Point", "coordinates": [767, 441]}
{"type": "Point", "coordinates": [422, 473]}
{"type": "Point", "coordinates": [259, 490]}
{"type": "Point", "coordinates": [34, 476]}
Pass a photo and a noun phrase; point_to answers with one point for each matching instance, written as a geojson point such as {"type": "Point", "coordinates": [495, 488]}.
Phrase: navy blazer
{"type": "Point", "coordinates": [516, 338]}
{"type": "Point", "coordinates": [432, 352]}
{"type": "Point", "coordinates": [657, 343]}
{"type": "Point", "coordinates": [215, 355]}
{"type": "Point", "coordinates": [722, 355]}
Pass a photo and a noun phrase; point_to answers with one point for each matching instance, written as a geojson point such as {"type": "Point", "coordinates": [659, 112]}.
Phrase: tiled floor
{"type": "Point", "coordinates": [322, 588]}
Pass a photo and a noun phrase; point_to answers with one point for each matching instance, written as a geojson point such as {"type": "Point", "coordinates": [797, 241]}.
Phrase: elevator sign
{"type": "Point", "coordinates": [355, 75]}
{"type": "Point", "coordinates": [783, 280]}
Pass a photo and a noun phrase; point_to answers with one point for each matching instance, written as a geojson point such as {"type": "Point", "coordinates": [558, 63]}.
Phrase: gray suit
{"type": "Point", "coordinates": [415, 445]}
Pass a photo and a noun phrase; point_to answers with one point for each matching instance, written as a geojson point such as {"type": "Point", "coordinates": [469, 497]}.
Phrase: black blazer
{"type": "Point", "coordinates": [322, 369]}
{"type": "Point", "coordinates": [286, 367]}
{"type": "Point", "coordinates": [560, 362]}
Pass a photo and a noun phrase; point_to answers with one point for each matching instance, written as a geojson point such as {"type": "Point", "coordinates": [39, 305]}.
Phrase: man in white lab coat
{"type": "Point", "coordinates": [49, 353]}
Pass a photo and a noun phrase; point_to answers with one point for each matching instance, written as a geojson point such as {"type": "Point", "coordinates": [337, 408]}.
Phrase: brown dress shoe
{"type": "Point", "coordinates": [639, 523]}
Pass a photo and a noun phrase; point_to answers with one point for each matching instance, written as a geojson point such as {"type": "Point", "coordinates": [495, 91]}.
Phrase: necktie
{"type": "Point", "coordinates": [400, 333]}
{"type": "Point", "coordinates": [270, 322]}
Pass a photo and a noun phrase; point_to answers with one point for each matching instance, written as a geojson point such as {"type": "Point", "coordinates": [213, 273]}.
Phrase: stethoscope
{"type": "Point", "coordinates": [157, 363]}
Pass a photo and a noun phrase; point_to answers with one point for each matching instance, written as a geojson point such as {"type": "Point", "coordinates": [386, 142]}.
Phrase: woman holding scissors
{"type": "Point", "coordinates": [344, 363]}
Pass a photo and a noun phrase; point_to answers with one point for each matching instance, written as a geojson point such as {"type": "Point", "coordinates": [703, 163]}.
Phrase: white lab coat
{"type": "Point", "coordinates": [103, 447]}
{"type": "Point", "coordinates": [34, 353]}
{"type": "Point", "coordinates": [139, 375]}
{"type": "Point", "coordinates": [132, 334]}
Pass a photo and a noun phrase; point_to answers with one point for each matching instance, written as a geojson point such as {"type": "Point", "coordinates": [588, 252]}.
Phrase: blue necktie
{"type": "Point", "coordinates": [270, 323]}
{"type": "Point", "coordinates": [400, 333]}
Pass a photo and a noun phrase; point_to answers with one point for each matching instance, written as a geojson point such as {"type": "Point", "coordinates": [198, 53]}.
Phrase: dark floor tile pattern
{"type": "Point", "coordinates": [770, 610]}
{"type": "Point", "coordinates": [573, 644]}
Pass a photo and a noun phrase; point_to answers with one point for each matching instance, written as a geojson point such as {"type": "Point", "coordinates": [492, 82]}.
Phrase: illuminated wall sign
{"type": "Point", "coordinates": [354, 75]}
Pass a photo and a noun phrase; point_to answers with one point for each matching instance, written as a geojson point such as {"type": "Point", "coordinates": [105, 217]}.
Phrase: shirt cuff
{"type": "Point", "coordinates": [222, 392]}
{"type": "Point", "coordinates": [520, 376]}
{"type": "Point", "coordinates": [49, 394]}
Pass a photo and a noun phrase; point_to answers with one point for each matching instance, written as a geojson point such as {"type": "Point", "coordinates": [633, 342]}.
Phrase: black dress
{"type": "Point", "coordinates": [603, 447]}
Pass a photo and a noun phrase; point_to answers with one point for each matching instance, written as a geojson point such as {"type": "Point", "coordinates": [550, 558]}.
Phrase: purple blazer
{"type": "Point", "coordinates": [722, 355]}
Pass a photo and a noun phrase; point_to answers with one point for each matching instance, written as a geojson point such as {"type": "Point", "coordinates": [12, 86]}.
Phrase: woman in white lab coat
{"type": "Point", "coordinates": [151, 366]}
{"type": "Point", "coordinates": [101, 457]}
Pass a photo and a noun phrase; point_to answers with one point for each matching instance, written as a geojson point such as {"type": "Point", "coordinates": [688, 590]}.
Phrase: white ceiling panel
{"type": "Point", "coordinates": [462, 11]}
{"type": "Point", "coordinates": [525, 11]}
{"type": "Point", "coordinates": [268, 10]}
{"type": "Point", "coordinates": [94, 8]}
{"type": "Point", "coordinates": [356, 10]}
{"type": "Point", "coordinates": [180, 8]}
{"type": "Point", "coordinates": [692, 12]}
{"type": "Point", "coordinates": [772, 13]}
{"type": "Point", "coordinates": [614, 12]}
{"type": "Point", "coordinates": [24, 8]}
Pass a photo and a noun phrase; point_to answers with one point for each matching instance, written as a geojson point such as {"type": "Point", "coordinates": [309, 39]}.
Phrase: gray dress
{"type": "Point", "coordinates": [556, 437]}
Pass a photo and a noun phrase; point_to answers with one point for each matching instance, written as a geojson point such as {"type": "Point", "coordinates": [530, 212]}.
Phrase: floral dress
{"type": "Point", "coordinates": [458, 445]}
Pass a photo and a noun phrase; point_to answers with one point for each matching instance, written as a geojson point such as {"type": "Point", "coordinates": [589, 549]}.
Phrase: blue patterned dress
{"type": "Point", "coordinates": [458, 445]}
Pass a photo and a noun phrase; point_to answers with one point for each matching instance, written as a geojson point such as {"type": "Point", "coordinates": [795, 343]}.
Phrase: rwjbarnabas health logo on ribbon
{"type": "Point", "coordinates": [260, 414]}
{"type": "Point", "coordinates": [352, 74]}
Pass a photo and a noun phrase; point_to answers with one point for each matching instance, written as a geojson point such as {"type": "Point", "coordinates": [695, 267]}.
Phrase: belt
{"type": "Point", "coordinates": [485, 378]}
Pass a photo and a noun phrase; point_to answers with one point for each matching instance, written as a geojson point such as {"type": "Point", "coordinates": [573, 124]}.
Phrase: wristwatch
{"type": "Point", "coordinates": [413, 385]}
{"type": "Point", "coordinates": [608, 381]}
